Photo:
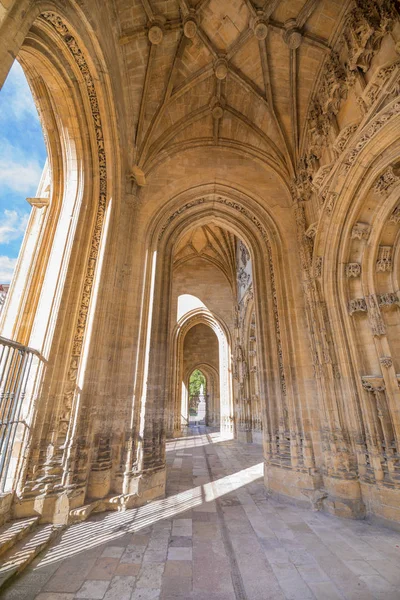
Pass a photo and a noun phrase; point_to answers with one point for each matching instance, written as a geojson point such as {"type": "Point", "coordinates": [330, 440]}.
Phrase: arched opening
{"type": "Point", "coordinates": [56, 274]}
{"type": "Point", "coordinates": [205, 235]}
{"type": "Point", "coordinates": [198, 398]}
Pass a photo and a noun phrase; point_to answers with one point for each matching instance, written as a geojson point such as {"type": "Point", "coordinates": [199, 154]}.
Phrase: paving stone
{"type": "Point", "coordinates": [274, 551]}
{"type": "Point", "coordinates": [104, 568]}
{"type": "Point", "coordinates": [120, 588]}
{"type": "Point", "coordinates": [146, 594]}
{"type": "Point", "coordinates": [92, 589]}
{"type": "Point", "coordinates": [113, 552]}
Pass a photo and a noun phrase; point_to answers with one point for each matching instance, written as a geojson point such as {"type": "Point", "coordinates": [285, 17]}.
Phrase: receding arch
{"type": "Point", "coordinates": [184, 325]}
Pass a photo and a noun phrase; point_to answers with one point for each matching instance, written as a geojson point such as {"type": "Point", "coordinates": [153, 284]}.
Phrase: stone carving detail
{"type": "Point", "coordinates": [360, 231]}
{"type": "Point", "coordinates": [384, 262]}
{"type": "Point", "coordinates": [343, 138]}
{"type": "Point", "coordinates": [373, 384]}
{"type": "Point", "coordinates": [380, 121]}
{"type": "Point", "coordinates": [386, 361]}
{"type": "Point", "coordinates": [243, 278]}
{"type": "Point", "coordinates": [395, 216]}
{"type": "Point", "coordinates": [245, 212]}
{"type": "Point", "coordinates": [318, 266]}
{"type": "Point", "coordinates": [303, 184]}
{"type": "Point", "coordinates": [318, 128]}
{"type": "Point", "coordinates": [276, 318]}
{"type": "Point", "coordinates": [333, 88]}
{"type": "Point", "coordinates": [374, 88]}
{"type": "Point", "coordinates": [330, 201]}
{"type": "Point", "coordinates": [178, 212]}
{"type": "Point", "coordinates": [244, 253]}
{"type": "Point", "coordinates": [357, 305]}
{"type": "Point", "coordinates": [311, 231]}
{"type": "Point", "coordinates": [321, 176]}
{"type": "Point", "coordinates": [374, 316]}
{"type": "Point", "coordinates": [386, 181]}
{"type": "Point", "coordinates": [59, 26]}
{"type": "Point", "coordinates": [367, 24]}
{"type": "Point", "coordinates": [353, 270]}
{"type": "Point", "coordinates": [389, 299]}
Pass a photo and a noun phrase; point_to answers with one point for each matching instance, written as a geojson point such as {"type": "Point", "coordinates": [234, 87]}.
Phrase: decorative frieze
{"type": "Point", "coordinates": [276, 319]}
{"type": "Point", "coordinates": [357, 305]}
{"type": "Point", "coordinates": [384, 261]}
{"type": "Point", "coordinates": [360, 231]}
{"type": "Point", "coordinates": [321, 176]}
{"type": "Point", "coordinates": [344, 137]}
{"type": "Point", "coordinates": [60, 27]}
{"type": "Point", "coordinates": [374, 88]}
{"type": "Point", "coordinates": [376, 125]}
{"type": "Point", "coordinates": [353, 270]}
{"type": "Point", "coordinates": [180, 210]}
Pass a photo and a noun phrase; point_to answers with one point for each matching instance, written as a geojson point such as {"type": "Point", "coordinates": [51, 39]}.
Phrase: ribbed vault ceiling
{"type": "Point", "coordinates": [224, 72]}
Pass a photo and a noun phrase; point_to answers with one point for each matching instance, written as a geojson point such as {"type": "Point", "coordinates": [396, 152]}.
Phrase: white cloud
{"type": "Point", "coordinates": [16, 173]}
{"type": "Point", "coordinates": [12, 226]}
{"type": "Point", "coordinates": [19, 102]}
{"type": "Point", "coordinates": [7, 266]}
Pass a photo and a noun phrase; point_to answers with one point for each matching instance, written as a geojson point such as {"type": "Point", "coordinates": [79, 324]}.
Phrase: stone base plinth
{"type": "Point", "coordinates": [382, 504]}
{"type": "Point", "coordinates": [296, 486]}
{"type": "Point", "coordinates": [343, 498]}
{"type": "Point", "coordinates": [64, 508]}
{"type": "Point", "coordinates": [245, 437]}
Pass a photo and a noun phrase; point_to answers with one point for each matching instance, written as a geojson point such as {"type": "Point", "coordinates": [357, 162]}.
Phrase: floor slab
{"type": "Point", "coordinates": [216, 536]}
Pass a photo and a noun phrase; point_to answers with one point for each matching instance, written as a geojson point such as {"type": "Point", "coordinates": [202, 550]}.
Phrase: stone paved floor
{"type": "Point", "coordinates": [217, 536]}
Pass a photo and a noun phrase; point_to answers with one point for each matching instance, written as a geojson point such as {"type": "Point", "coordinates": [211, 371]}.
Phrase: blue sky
{"type": "Point", "coordinates": [22, 157]}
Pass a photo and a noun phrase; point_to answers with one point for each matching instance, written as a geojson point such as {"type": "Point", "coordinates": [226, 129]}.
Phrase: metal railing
{"type": "Point", "coordinates": [16, 363]}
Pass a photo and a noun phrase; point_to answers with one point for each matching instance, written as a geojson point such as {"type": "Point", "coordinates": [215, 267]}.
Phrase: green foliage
{"type": "Point", "coordinates": [196, 380]}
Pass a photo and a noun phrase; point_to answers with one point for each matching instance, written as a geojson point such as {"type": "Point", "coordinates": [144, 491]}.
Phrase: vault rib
{"type": "Point", "coordinates": [148, 9]}
{"type": "Point", "coordinates": [306, 12]}
{"type": "Point", "coordinates": [262, 44]}
{"type": "Point", "coordinates": [149, 70]}
{"type": "Point", "coordinates": [238, 43]}
{"type": "Point", "coordinates": [294, 101]}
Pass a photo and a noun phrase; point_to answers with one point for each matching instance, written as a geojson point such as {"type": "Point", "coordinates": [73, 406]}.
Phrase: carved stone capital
{"type": "Point", "coordinates": [373, 384]}
{"type": "Point", "coordinates": [38, 202]}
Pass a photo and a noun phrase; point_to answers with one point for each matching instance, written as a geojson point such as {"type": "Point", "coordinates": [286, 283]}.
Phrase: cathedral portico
{"type": "Point", "coordinates": [221, 196]}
